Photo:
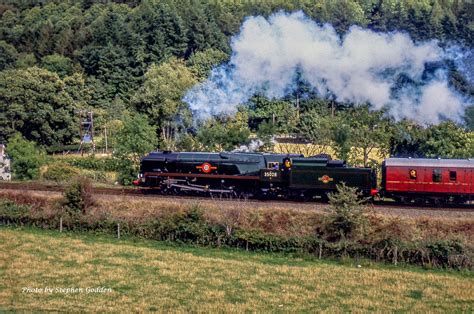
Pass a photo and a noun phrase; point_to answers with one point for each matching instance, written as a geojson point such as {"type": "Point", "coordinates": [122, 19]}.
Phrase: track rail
{"type": "Point", "coordinates": [134, 192]}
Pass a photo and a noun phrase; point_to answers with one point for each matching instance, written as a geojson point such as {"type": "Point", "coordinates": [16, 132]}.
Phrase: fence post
{"type": "Point", "coordinates": [320, 249]}
{"type": "Point", "coordinates": [395, 255]}
{"type": "Point", "coordinates": [61, 224]}
{"type": "Point", "coordinates": [118, 231]}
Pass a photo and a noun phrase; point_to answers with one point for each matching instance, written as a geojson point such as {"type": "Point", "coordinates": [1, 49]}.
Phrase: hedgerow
{"type": "Point", "coordinates": [198, 225]}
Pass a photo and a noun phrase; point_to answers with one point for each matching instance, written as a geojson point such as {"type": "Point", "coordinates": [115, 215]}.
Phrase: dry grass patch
{"type": "Point", "coordinates": [146, 276]}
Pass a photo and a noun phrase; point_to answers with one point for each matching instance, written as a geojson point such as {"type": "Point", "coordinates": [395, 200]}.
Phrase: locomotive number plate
{"type": "Point", "coordinates": [270, 175]}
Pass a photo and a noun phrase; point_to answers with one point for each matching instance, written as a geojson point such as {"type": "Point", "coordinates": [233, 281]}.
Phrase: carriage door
{"type": "Point", "coordinates": [454, 177]}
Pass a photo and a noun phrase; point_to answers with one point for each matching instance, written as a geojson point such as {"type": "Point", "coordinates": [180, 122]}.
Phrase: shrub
{"type": "Point", "coordinates": [127, 173]}
{"type": "Point", "coordinates": [78, 196]}
{"type": "Point", "coordinates": [93, 163]}
{"type": "Point", "coordinates": [60, 172]}
{"type": "Point", "coordinates": [95, 175]}
{"type": "Point", "coordinates": [26, 158]}
{"type": "Point", "coordinates": [346, 217]}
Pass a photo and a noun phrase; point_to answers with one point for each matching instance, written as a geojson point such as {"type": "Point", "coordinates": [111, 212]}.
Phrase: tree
{"type": "Point", "coordinates": [161, 31]}
{"type": "Point", "coordinates": [407, 139]}
{"type": "Point", "coordinates": [35, 103]}
{"type": "Point", "coordinates": [160, 98]}
{"type": "Point", "coordinates": [78, 195]}
{"type": "Point", "coordinates": [369, 131]}
{"type": "Point", "coordinates": [343, 14]}
{"type": "Point", "coordinates": [58, 63]}
{"type": "Point", "coordinates": [346, 213]}
{"type": "Point", "coordinates": [341, 137]}
{"type": "Point", "coordinates": [26, 157]}
{"type": "Point", "coordinates": [316, 126]}
{"type": "Point", "coordinates": [226, 133]}
{"type": "Point", "coordinates": [203, 31]}
{"type": "Point", "coordinates": [8, 55]}
{"type": "Point", "coordinates": [135, 139]}
{"type": "Point", "coordinates": [202, 62]}
{"type": "Point", "coordinates": [282, 114]}
{"type": "Point", "coordinates": [447, 140]}
{"type": "Point", "coordinates": [469, 118]}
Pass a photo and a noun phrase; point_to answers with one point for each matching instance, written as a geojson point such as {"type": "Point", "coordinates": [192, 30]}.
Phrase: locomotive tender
{"type": "Point", "coordinates": [294, 176]}
{"type": "Point", "coordinates": [251, 174]}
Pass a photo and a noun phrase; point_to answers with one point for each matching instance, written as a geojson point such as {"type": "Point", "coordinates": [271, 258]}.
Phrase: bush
{"type": "Point", "coordinates": [95, 175]}
{"type": "Point", "coordinates": [210, 227]}
{"type": "Point", "coordinates": [60, 172]}
{"type": "Point", "coordinates": [26, 158]}
{"type": "Point", "coordinates": [127, 172]}
{"type": "Point", "coordinates": [78, 196]}
{"type": "Point", "coordinates": [93, 163]}
{"type": "Point", "coordinates": [346, 217]}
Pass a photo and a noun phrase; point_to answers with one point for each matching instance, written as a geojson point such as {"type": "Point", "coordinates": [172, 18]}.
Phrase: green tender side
{"type": "Point", "coordinates": [316, 176]}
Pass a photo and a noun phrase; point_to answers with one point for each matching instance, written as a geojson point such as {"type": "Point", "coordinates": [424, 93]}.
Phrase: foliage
{"type": "Point", "coordinates": [26, 157]}
{"type": "Point", "coordinates": [202, 62]}
{"type": "Point", "coordinates": [470, 118]}
{"type": "Point", "coordinates": [369, 131]}
{"type": "Point", "coordinates": [282, 114]}
{"type": "Point", "coordinates": [160, 98]}
{"type": "Point", "coordinates": [93, 163]}
{"type": "Point", "coordinates": [35, 103]}
{"type": "Point", "coordinates": [78, 195]}
{"type": "Point", "coordinates": [347, 132]}
{"type": "Point", "coordinates": [135, 139]}
{"type": "Point", "coordinates": [127, 172]}
{"type": "Point", "coordinates": [8, 55]}
{"type": "Point", "coordinates": [223, 134]}
{"type": "Point", "coordinates": [59, 172]}
{"type": "Point", "coordinates": [440, 243]}
{"type": "Point", "coordinates": [447, 140]}
{"type": "Point", "coordinates": [57, 63]}
{"type": "Point", "coordinates": [346, 217]}
{"type": "Point", "coordinates": [141, 56]}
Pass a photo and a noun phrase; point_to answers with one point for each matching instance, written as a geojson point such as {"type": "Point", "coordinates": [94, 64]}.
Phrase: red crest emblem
{"type": "Point", "coordinates": [206, 167]}
{"type": "Point", "coordinates": [325, 179]}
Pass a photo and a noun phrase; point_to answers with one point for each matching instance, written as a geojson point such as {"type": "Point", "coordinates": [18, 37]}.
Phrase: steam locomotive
{"type": "Point", "coordinates": [293, 176]}
{"type": "Point", "coordinates": [251, 174]}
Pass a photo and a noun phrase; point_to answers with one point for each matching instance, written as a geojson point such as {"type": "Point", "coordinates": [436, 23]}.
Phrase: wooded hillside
{"type": "Point", "coordinates": [123, 58]}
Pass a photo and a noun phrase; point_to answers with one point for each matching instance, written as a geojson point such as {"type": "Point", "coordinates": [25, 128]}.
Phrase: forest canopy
{"type": "Point", "coordinates": [127, 58]}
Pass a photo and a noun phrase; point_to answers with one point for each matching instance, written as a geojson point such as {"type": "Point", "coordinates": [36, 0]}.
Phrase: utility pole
{"type": "Point", "coordinates": [105, 136]}
{"type": "Point", "coordinates": [297, 105]}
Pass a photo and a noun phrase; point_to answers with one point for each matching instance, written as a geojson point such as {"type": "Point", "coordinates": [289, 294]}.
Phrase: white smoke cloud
{"type": "Point", "coordinates": [253, 146]}
{"type": "Point", "coordinates": [361, 67]}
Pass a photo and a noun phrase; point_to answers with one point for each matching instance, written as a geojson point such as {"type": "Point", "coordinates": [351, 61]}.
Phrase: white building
{"type": "Point", "coordinates": [5, 170]}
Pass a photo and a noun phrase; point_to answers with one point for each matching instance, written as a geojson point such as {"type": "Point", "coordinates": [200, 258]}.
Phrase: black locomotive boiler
{"type": "Point", "coordinates": [250, 174]}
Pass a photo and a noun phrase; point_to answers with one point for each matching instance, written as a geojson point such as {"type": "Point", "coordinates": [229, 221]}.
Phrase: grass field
{"type": "Point", "coordinates": [148, 275]}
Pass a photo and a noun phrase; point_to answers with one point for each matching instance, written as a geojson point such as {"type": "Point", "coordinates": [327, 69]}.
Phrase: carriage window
{"type": "Point", "coordinates": [412, 174]}
{"type": "Point", "coordinates": [436, 175]}
{"type": "Point", "coordinates": [452, 175]}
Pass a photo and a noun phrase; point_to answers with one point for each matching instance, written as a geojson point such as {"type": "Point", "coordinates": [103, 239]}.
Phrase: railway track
{"type": "Point", "coordinates": [124, 191]}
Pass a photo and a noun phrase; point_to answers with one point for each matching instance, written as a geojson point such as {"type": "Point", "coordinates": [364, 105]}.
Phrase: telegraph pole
{"type": "Point", "coordinates": [105, 135]}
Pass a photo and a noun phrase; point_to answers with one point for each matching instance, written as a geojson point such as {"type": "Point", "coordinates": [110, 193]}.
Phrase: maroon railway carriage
{"type": "Point", "coordinates": [437, 180]}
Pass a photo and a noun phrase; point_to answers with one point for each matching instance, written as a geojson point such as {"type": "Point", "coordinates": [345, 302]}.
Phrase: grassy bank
{"type": "Point", "coordinates": [145, 275]}
{"type": "Point", "coordinates": [428, 242]}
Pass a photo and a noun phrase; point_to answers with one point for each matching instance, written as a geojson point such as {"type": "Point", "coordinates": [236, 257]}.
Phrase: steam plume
{"type": "Point", "coordinates": [364, 66]}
